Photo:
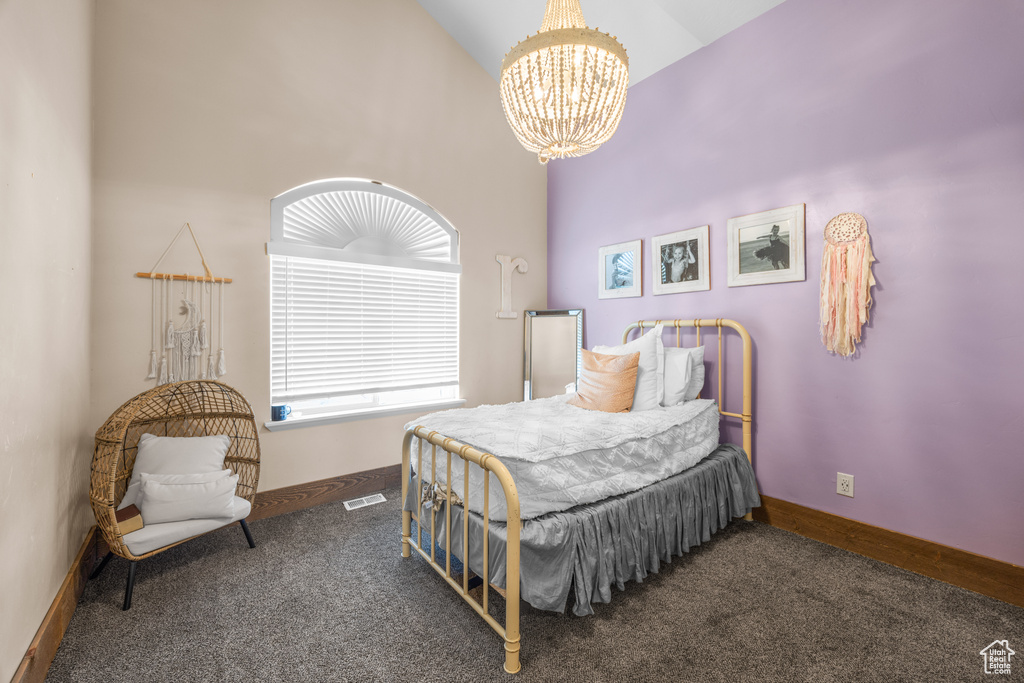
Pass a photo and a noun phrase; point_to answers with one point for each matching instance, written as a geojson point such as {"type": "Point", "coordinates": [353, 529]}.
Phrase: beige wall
{"type": "Point", "coordinates": [205, 111]}
{"type": "Point", "coordinates": [45, 434]}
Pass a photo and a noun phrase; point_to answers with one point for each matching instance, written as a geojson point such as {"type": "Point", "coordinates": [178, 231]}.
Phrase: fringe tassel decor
{"type": "Point", "coordinates": [169, 337]}
{"type": "Point", "coordinates": [152, 365]}
{"type": "Point", "coordinates": [846, 282]}
{"type": "Point", "coordinates": [204, 337]}
{"type": "Point", "coordinates": [222, 366]}
{"type": "Point", "coordinates": [164, 376]}
{"type": "Point", "coordinates": [186, 352]}
{"type": "Point", "coordinates": [169, 313]}
{"type": "Point", "coordinates": [154, 323]}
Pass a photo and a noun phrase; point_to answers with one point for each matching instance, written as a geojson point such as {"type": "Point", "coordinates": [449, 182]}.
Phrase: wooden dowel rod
{"type": "Point", "coordinates": [190, 278]}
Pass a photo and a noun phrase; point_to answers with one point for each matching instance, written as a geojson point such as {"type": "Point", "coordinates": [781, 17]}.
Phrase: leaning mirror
{"type": "Point", "coordinates": [551, 360]}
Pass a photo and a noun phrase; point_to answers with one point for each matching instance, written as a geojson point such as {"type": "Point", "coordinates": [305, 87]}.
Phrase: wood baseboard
{"type": "Point", "coordinates": [999, 580]}
{"type": "Point", "coordinates": [301, 496]}
{"type": "Point", "coordinates": [41, 652]}
{"type": "Point", "coordinates": [36, 662]}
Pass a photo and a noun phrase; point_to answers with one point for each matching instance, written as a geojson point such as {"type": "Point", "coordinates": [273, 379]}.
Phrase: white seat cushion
{"type": "Point", "coordinates": [154, 536]}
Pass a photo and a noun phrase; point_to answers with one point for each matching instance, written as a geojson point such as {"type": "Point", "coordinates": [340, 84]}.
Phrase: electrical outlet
{"type": "Point", "coordinates": [844, 484]}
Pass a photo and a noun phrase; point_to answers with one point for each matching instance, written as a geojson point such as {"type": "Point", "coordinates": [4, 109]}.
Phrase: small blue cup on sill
{"type": "Point", "coordinates": [280, 412]}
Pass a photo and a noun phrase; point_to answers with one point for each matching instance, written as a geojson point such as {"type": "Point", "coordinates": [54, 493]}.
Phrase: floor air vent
{"type": "Point", "coordinates": [357, 503]}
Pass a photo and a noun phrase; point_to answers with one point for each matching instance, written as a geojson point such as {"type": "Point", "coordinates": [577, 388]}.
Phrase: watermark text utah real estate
{"type": "Point", "coordinates": [997, 657]}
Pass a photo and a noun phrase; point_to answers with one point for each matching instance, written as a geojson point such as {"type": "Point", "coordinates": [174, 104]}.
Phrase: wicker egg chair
{"type": "Point", "coordinates": [191, 408]}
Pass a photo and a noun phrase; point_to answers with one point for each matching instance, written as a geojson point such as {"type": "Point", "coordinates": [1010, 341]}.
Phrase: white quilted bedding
{"type": "Point", "coordinates": [561, 456]}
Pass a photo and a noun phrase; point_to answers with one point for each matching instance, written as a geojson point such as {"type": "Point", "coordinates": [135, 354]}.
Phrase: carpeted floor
{"type": "Point", "coordinates": [326, 596]}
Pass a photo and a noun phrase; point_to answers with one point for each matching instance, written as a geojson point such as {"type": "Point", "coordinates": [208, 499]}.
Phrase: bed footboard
{"type": "Point", "coordinates": [489, 464]}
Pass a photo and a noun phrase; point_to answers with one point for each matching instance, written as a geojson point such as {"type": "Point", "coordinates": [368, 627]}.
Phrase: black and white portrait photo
{"type": "Point", "coordinates": [619, 270]}
{"type": "Point", "coordinates": [682, 259]}
{"type": "Point", "coordinates": [764, 247]}
{"type": "Point", "coordinates": [767, 247]}
{"type": "Point", "coordinates": [679, 262]}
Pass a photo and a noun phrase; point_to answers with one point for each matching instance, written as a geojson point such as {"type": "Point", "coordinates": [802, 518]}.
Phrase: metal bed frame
{"type": "Point", "coordinates": [492, 465]}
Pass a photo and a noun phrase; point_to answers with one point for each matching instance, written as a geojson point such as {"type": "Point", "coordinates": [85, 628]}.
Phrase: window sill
{"type": "Point", "coordinates": [362, 414]}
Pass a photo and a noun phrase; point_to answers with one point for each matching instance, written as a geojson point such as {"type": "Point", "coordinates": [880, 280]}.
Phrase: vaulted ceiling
{"type": "Point", "coordinates": [655, 33]}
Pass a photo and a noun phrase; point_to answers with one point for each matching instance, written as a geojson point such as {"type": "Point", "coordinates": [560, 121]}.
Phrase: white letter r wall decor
{"type": "Point", "coordinates": [508, 266]}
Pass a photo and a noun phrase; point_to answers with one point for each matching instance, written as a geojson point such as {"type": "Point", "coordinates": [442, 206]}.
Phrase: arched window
{"type": "Point", "coordinates": [364, 300]}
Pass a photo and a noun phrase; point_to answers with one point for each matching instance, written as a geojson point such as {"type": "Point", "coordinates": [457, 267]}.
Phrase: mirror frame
{"type": "Point", "coordinates": [528, 356]}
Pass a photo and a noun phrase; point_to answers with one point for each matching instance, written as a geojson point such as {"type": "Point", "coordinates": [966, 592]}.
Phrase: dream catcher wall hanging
{"type": "Point", "coordinates": [846, 282]}
{"type": "Point", "coordinates": [194, 349]}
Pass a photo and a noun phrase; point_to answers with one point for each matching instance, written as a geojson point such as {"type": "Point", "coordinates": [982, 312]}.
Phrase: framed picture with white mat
{"type": "Point", "coordinates": [683, 263]}
{"type": "Point", "coordinates": [767, 247]}
{"type": "Point", "coordinates": [619, 270]}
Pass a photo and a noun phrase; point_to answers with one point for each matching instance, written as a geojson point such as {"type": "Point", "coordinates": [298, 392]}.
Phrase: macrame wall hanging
{"type": "Point", "coordinates": [846, 282]}
{"type": "Point", "coordinates": [185, 352]}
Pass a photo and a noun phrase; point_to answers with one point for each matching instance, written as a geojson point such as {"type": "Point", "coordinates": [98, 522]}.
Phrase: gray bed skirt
{"type": "Point", "coordinates": [590, 548]}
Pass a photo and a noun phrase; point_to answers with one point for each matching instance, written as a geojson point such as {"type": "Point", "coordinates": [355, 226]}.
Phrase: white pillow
{"type": "Point", "coordinates": [684, 374]}
{"type": "Point", "coordinates": [177, 497]}
{"type": "Point", "coordinates": [176, 455]}
{"type": "Point", "coordinates": [174, 479]}
{"type": "Point", "coordinates": [650, 376]}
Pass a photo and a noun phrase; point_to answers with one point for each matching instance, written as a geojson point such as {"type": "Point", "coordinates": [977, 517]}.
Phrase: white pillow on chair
{"type": "Point", "coordinates": [175, 455]}
{"type": "Point", "coordinates": [177, 497]}
{"type": "Point", "coordinates": [650, 376]}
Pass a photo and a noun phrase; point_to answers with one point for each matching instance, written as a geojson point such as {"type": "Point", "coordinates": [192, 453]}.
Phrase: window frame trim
{"type": "Point", "coordinates": [308, 251]}
{"type": "Point", "coordinates": [279, 245]}
{"type": "Point", "coordinates": [362, 413]}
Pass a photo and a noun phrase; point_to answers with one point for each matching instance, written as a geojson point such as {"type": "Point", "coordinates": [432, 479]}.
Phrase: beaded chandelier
{"type": "Point", "coordinates": [564, 88]}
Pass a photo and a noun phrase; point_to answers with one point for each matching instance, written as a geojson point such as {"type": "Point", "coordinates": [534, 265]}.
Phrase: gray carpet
{"type": "Point", "coordinates": [326, 596]}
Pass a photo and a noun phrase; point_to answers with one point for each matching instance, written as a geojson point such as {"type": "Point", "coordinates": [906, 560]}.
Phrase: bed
{"type": "Point", "coordinates": [607, 498]}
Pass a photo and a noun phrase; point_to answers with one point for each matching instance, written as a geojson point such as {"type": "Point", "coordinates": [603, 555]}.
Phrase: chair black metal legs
{"type": "Point", "coordinates": [248, 534]}
{"type": "Point", "coordinates": [99, 568]}
{"type": "Point", "coordinates": [130, 587]}
{"type": "Point", "coordinates": [131, 578]}
{"type": "Point", "coordinates": [132, 566]}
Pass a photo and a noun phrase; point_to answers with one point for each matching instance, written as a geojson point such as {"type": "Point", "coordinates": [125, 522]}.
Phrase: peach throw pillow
{"type": "Point", "coordinates": [607, 382]}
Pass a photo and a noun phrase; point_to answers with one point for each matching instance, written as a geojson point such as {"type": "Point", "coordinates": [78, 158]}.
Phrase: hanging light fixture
{"type": "Point", "coordinates": [564, 88]}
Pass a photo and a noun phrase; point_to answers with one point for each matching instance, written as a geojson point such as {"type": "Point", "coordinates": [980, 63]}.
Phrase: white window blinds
{"type": "Point", "coordinates": [340, 328]}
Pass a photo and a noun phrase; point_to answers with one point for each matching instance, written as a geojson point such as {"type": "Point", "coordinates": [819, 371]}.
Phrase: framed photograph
{"type": "Point", "coordinates": [767, 247]}
{"type": "Point", "coordinates": [682, 261]}
{"type": "Point", "coordinates": [619, 270]}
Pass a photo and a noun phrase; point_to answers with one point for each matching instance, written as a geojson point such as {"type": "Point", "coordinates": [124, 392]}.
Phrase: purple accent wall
{"type": "Point", "coordinates": [910, 113]}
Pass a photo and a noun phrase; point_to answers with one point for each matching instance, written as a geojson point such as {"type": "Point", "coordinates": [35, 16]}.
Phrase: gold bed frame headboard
{"type": "Point", "coordinates": [747, 416]}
